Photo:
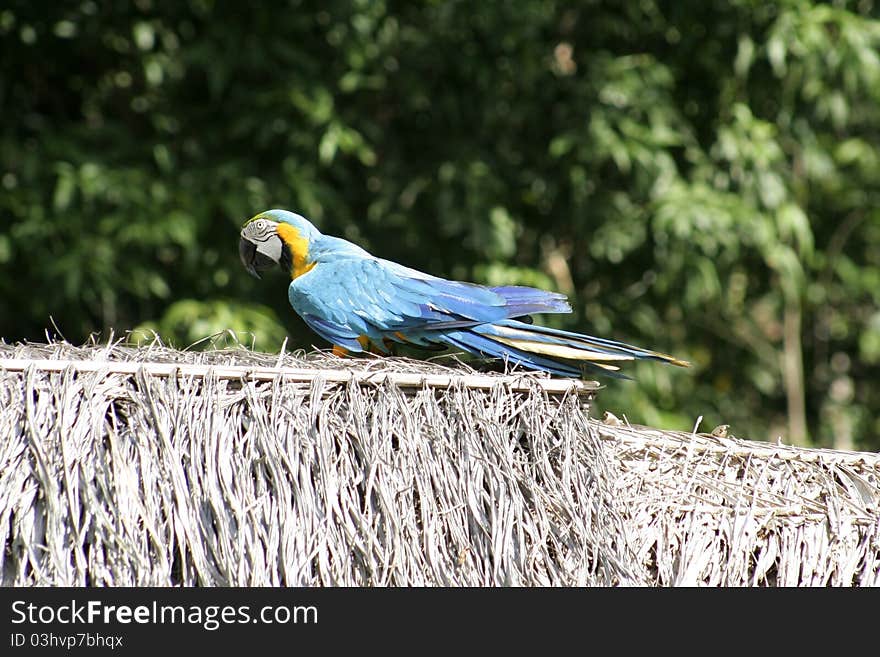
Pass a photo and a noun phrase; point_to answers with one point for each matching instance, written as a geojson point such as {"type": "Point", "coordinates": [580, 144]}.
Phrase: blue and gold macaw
{"type": "Point", "coordinates": [358, 302]}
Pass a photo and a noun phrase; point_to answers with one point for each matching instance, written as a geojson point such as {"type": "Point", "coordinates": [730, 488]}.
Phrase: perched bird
{"type": "Point", "coordinates": [610, 418]}
{"type": "Point", "coordinates": [721, 431]}
{"type": "Point", "coordinates": [358, 302]}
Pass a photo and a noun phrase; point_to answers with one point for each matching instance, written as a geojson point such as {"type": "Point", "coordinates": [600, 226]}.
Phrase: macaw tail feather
{"type": "Point", "coordinates": [474, 343]}
{"type": "Point", "coordinates": [552, 350]}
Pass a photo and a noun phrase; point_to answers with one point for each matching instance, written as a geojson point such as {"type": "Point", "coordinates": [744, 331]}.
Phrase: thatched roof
{"type": "Point", "coordinates": [152, 466]}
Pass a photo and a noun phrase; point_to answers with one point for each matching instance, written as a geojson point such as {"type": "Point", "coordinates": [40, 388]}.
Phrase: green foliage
{"type": "Point", "coordinates": [700, 177]}
{"type": "Point", "coordinates": [216, 324]}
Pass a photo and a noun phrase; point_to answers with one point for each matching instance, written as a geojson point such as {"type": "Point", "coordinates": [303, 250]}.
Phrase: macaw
{"type": "Point", "coordinates": [358, 302]}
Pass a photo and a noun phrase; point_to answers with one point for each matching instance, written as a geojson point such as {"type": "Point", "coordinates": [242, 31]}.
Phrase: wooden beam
{"type": "Point", "coordinates": [517, 383]}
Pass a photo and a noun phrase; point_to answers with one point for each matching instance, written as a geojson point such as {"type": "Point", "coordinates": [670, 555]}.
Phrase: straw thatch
{"type": "Point", "coordinates": [152, 466]}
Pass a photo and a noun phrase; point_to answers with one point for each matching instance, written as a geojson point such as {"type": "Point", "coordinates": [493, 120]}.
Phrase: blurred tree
{"type": "Point", "coordinates": [701, 177]}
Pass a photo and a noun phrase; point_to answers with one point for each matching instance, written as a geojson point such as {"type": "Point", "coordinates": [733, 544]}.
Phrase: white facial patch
{"type": "Point", "coordinates": [263, 234]}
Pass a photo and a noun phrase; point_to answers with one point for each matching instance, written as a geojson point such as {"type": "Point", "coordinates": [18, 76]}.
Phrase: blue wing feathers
{"type": "Point", "coordinates": [525, 300]}
{"type": "Point", "coordinates": [332, 332]}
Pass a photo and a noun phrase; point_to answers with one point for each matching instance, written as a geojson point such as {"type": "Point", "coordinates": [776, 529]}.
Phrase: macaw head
{"type": "Point", "coordinates": [277, 237]}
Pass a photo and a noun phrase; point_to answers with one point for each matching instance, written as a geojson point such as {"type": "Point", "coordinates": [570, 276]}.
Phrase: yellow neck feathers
{"type": "Point", "coordinates": [299, 249]}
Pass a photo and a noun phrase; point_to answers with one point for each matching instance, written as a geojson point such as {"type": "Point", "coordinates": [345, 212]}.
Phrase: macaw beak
{"type": "Point", "coordinates": [253, 260]}
{"type": "Point", "coordinates": [247, 251]}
